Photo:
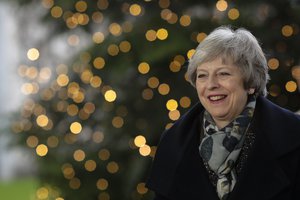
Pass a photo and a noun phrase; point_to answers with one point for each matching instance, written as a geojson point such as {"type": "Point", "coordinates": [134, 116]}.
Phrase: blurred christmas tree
{"type": "Point", "coordinates": [94, 121]}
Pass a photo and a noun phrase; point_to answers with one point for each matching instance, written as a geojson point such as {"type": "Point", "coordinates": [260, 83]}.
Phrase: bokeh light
{"type": "Point", "coordinates": [75, 127]}
{"type": "Point", "coordinates": [110, 95]}
{"type": "Point", "coordinates": [33, 54]}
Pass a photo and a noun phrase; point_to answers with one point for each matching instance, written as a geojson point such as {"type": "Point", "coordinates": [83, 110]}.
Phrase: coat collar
{"type": "Point", "coordinates": [178, 170]}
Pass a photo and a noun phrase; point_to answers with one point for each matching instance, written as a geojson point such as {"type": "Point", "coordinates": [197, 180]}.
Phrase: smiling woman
{"type": "Point", "coordinates": [233, 144]}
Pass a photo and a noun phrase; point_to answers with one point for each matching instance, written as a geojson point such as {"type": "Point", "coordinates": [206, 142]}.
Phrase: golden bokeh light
{"type": "Point", "coordinates": [291, 86]}
{"type": "Point", "coordinates": [81, 6]}
{"type": "Point", "coordinates": [75, 183]}
{"type": "Point", "coordinates": [287, 30]}
{"type": "Point", "coordinates": [113, 49]}
{"type": "Point", "coordinates": [125, 46]}
{"type": "Point", "coordinates": [162, 34]}
{"type": "Point", "coordinates": [172, 104]}
{"type": "Point", "coordinates": [174, 115]}
{"type": "Point", "coordinates": [164, 3]}
{"type": "Point", "coordinates": [135, 9]}
{"type": "Point", "coordinates": [166, 14]}
{"type": "Point", "coordinates": [185, 102]}
{"type": "Point", "coordinates": [145, 150]}
{"type": "Point", "coordinates": [110, 95]}
{"type": "Point", "coordinates": [79, 155]}
{"type": "Point", "coordinates": [180, 59]}
{"type": "Point", "coordinates": [75, 128]}
{"type": "Point", "coordinates": [273, 63]}
{"type": "Point", "coordinates": [115, 29]}
{"type": "Point", "coordinates": [144, 68]}
{"type": "Point", "coordinates": [139, 141]}
{"type": "Point", "coordinates": [89, 107]}
{"type": "Point", "coordinates": [151, 35]}
{"type": "Point", "coordinates": [99, 62]}
{"type": "Point", "coordinates": [47, 3]}
{"type": "Point", "coordinates": [32, 141]}
{"type": "Point", "coordinates": [68, 171]}
{"type": "Point", "coordinates": [86, 76]}
{"type": "Point", "coordinates": [153, 82]}
{"type": "Point", "coordinates": [72, 109]}
{"type": "Point", "coordinates": [27, 88]}
{"type": "Point", "coordinates": [233, 14]}
{"type": "Point", "coordinates": [98, 137]}
{"type": "Point", "coordinates": [164, 89]}
{"type": "Point", "coordinates": [41, 150]}
{"type": "Point", "coordinates": [102, 184]}
{"type": "Point", "coordinates": [96, 81]}
{"type": "Point", "coordinates": [104, 154]}
{"type": "Point", "coordinates": [62, 80]}
{"type": "Point", "coordinates": [190, 53]}
{"type": "Point", "coordinates": [117, 122]}
{"type": "Point", "coordinates": [103, 4]}
{"type": "Point", "coordinates": [141, 188]}
{"type": "Point", "coordinates": [98, 37]}
{"type": "Point", "coordinates": [56, 12]}
{"type": "Point", "coordinates": [147, 94]}
{"type": "Point", "coordinates": [33, 54]}
{"type": "Point", "coordinates": [221, 5]}
{"type": "Point", "coordinates": [201, 36]}
{"type": "Point", "coordinates": [185, 20]}
{"type": "Point", "coordinates": [175, 66]}
{"type": "Point", "coordinates": [97, 17]}
{"type": "Point", "coordinates": [296, 72]}
{"type": "Point", "coordinates": [112, 167]}
{"type": "Point", "coordinates": [42, 120]}
{"type": "Point", "coordinates": [90, 165]}
{"type": "Point", "coordinates": [42, 193]}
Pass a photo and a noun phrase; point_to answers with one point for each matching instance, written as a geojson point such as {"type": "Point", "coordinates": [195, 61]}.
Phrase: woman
{"type": "Point", "coordinates": [235, 144]}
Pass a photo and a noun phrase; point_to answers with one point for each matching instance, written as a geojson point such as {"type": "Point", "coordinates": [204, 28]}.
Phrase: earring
{"type": "Point", "coordinates": [251, 91]}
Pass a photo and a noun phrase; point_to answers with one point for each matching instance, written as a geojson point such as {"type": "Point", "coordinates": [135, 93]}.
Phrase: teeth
{"type": "Point", "coordinates": [215, 98]}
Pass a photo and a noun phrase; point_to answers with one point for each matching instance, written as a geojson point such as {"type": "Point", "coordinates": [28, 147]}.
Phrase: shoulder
{"type": "Point", "coordinates": [171, 148]}
{"type": "Point", "coordinates": [272, 113]}
{"type": "Point", "coordinates": [280, 126]}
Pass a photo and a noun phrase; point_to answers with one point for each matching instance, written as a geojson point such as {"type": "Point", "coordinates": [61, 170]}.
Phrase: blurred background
{"type": "Point", "coordinates": [87, 87]}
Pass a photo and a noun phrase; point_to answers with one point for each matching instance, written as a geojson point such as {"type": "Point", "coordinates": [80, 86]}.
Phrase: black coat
{"type": "Point", "coordinates": [272, 170]}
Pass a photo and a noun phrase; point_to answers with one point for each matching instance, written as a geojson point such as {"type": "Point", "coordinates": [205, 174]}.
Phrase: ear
{"type": "Point", "coordinates": [251, 91]}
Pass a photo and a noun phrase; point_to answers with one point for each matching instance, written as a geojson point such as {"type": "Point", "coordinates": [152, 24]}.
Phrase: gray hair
{"type": "Point", "coordinates": [238, 47]}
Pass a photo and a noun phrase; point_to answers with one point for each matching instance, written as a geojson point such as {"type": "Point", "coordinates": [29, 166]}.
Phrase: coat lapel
{"type": "Point", "coordinates": [191, 180]}
{"type": "Point", "coordinates": [263, 175]}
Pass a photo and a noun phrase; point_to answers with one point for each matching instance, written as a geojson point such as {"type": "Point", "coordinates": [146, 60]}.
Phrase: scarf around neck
{"type": "Point", "coordinates": [220, 148]}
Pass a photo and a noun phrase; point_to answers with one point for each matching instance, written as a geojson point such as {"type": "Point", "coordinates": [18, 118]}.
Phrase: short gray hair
{"type": "Point", "coordinates": [238, 47]}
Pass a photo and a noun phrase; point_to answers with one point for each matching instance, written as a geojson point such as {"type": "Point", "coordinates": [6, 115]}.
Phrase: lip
{"type": "Point", "coordinates": [216, 98]}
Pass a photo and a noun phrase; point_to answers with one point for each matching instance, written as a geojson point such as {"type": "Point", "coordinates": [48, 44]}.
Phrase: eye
{"type": "Point", "coordinates": [201, 75]}
{"type": "Point", "coordinates": [224, 74]}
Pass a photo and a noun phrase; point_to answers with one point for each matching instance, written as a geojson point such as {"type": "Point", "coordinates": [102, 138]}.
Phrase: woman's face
{"type": "Point", "coordinates": [221, 90]}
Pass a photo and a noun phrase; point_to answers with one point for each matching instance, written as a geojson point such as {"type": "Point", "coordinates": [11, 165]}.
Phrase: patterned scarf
{"type": "Point", "coordinates": [221, 148]}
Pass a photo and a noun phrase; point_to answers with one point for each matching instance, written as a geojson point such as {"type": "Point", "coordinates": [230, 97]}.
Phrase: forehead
{"type": "Point", "coordinates": [217, 63]}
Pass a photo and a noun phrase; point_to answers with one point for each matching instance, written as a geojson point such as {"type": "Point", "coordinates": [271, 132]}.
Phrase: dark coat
{"type": "Point", "coordinates": [272, 170]}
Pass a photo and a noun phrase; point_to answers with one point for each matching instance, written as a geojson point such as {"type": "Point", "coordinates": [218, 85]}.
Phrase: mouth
{"type": "Point", "coordinates": [216, 98]}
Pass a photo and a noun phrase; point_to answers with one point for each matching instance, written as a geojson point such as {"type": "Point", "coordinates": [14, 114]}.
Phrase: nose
{"type": "Point", "coordinates": [212, 82]}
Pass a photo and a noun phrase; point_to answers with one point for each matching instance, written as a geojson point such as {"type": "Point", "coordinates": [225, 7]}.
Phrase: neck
{"type": "Point", "coordinates": [221, 123]}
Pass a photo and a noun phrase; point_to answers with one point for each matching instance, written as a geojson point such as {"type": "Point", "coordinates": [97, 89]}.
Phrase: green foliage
{"type": "Point", "coordinates": [24, 189]}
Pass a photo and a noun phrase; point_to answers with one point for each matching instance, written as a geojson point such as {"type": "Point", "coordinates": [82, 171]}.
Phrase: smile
{"type": "Point", "coordinates": [217, 97]}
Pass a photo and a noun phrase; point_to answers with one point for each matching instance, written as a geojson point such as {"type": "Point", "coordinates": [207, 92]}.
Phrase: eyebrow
{"type": "Point", "coordinates": [221, 67]}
